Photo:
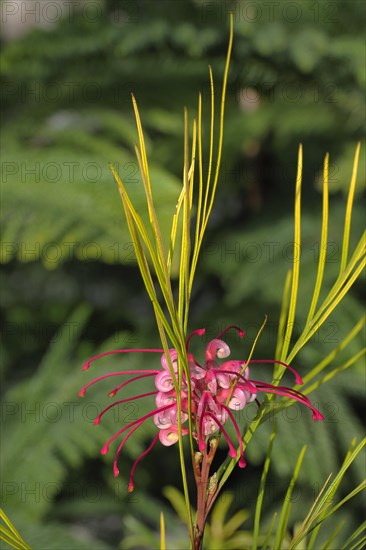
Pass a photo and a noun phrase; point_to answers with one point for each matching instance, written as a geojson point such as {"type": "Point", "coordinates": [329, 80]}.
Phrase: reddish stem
{"type": "Point", "coordinates": [203, 496]}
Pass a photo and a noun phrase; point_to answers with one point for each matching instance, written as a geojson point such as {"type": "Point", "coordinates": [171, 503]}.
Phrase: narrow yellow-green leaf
{"type": "Point", "coordinates": [259, 503]}
{"type": "Point", "coordinates": [323, 242]}
{"type": "Point", "coordinates": [256, 340]}
{"type": "Point", "coordinates": [333, 354]}
{"type": "Point", "coordinates": [354, 535]}
{"type": "Point", "coordinates": [139, 223]}
{"type": "Point", "coordinates": [9, 524]}
{"type": "Point", "coordinates": [185, 247]}
{"type": "Point", "coordinates": [333, 535]}
{"type": "Point", "coordinates": [301, 532]}
{"type": "Point", "coordinates": [173, 234]}
{"type": "Point", "coordinates": [160, 251]}
{"type": "Point", "coordinates": [128, 206]}
{"type": "Point", "coordinates": [220, 510]}
{"type": "Point", "coordinates": [212, 127]}
{"type": "Point", "coordinates": [182, 305]}
{"type": "Point", "coordinates": [247, 362]}
{"type": "Point", "coordinates": [360, 487]}
{"type": "Point", "coordinates": [359, 545]}
{"type": "Point", "coordinates": [191, 171]}
{"type": "Point", "coordinates": [296, 260]}
{"type": "Point", "coordinates": [270, 530]}
{"type": "Point", "coordinates": [334, 372]}
{"type": "Point", "coordinates": [283, 314]}
{"type": "Point", "coordinates": [221, 130]}
{"type": "Point", "coordinates": [145, 272]}
{"type": "Point", "coordinates": [8, 537]}
{"type": "Point", "coordinates": [320, 510]}
{"type": "Point", "coordinates": [142, 143]}
{"type": "Point", "coordinates": [200, 174]}
{"type": "Point", "coordinates": [176, 499]}
{"type": "Point", "coordinates": [282, 524]}
{"type": "Point", "coordinates": [233, 524]}
{"type": "Point", "coordinates": [337, 299]}
{"type": "Point", "coordinates": [10, 534]}
{"type": "Point", "coordinates": [328, 307]}
{"type": "Point", "coordinates": [357, 256]}
{"type": "Point", "coordinates": [162, 532]}
{"type": "Point", "coordinates": [11, 541]}
{"type": "Point", "coordinates": [210, 199]}
{"type": "Point", "coordinates": [348, 216]}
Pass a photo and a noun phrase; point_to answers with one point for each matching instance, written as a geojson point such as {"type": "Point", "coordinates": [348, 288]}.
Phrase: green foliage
{"type": "Point", "coordinates": [315, 530]}
{"type": "Point", "coordinates": [321, 509]}
{"type": "Point", "coordinates": [61, 198]}
{"type": "Point", "coordinates": [351, 265]}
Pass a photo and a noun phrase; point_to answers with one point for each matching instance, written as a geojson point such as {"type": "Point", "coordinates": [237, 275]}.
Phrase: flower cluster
{"type": "Point", "coordinates": [214, 391]}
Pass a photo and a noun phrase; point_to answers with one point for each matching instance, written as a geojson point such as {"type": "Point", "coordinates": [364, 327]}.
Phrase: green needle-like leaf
{"type": "Point", "coordinates": [320, 510]}
{"type": "Point", "coordinates": [10, 535]}
{"type": "Point", "coordinates": [284, 516]}
{"type": "Point", "coordinates": [259, 503]}
{"type": "Point", "coordinates": [354, 535]}
{"type": "Point", "coordinates": [323, 242]}
{"type": "Point", "coordinates": [283, 315]}
{"type": "Point", "coordinates": [348, 216]}
{"type": "Point", "coordinates": [162, 532]}
{"type": "Point", "coordinates": [296, 262]}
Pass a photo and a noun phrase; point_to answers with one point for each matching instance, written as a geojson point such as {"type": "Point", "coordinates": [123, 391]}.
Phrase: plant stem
{"type": "Point", "coordinates": [203, 493]}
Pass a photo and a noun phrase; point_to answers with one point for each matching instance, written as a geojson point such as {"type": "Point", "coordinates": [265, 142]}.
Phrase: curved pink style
{"type": "Point", "coordinates": [215, 389]}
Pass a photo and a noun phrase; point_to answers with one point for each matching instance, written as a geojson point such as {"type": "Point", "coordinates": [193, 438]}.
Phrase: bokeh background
{"type": "Point", "coordinates": [70, 287]}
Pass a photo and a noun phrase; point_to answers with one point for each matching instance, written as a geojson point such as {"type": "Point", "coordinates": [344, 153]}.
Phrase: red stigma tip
{"type": "Point", "coordinates": [112, 393]}
{"type": "Point", "coordinates": [86, 366]}
{"type": "Point", "coordinates": [242, 463]}
{"type": "Point", "coordinates": [104, 450]}
{"type": "Point", "coordinates": [241, 333]}
{"type": "Point", "coordinates": [115, 471]}
{"type": "Point", "coordinates": [96, 421]}
{"type": "Point", "coordinates": [82, 393]}
{"type": "Point", "coordinates": [318, 416]}
{"type": "Point", "coordinates": [201, 331]}
{"type": "Point", "coordinates": [131, 487]}
{"type": "Point", "coordinates": [232, 453]}
{"type": "Point", "coordinates": [299, 380]}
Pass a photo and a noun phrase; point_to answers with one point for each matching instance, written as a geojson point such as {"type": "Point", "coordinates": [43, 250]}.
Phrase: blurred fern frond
{"type": "Point", "coordinates": [61, 198]}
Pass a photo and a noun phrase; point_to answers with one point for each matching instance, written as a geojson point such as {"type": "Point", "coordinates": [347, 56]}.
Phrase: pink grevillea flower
{"type": "Point", "coordinates": [215, 391]}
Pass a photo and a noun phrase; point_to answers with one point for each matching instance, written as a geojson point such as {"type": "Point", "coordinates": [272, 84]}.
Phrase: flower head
{"type": "Point", "coordinates": [210, 395]}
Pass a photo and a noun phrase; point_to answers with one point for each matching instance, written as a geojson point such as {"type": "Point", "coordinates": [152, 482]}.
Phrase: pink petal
{"type": "Point", "coordinates": [170, 436]}
{"type": "Point", "coordinates": [165, 398]}
{"type": "Point", "coordinates": [238, 399]}
{"type": "Point", "coordinates": [164, 382]}
{"type": "Point", "coordinates": [211, 382]}
{"type": "Point", "coordinates": [223, 380]}
{"type": "Point", "coordinates": [217, 348]}
{"type": "Point", "coordinates": [173, 358]}
{"type": "Point", "coordinates": [162, 419]}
